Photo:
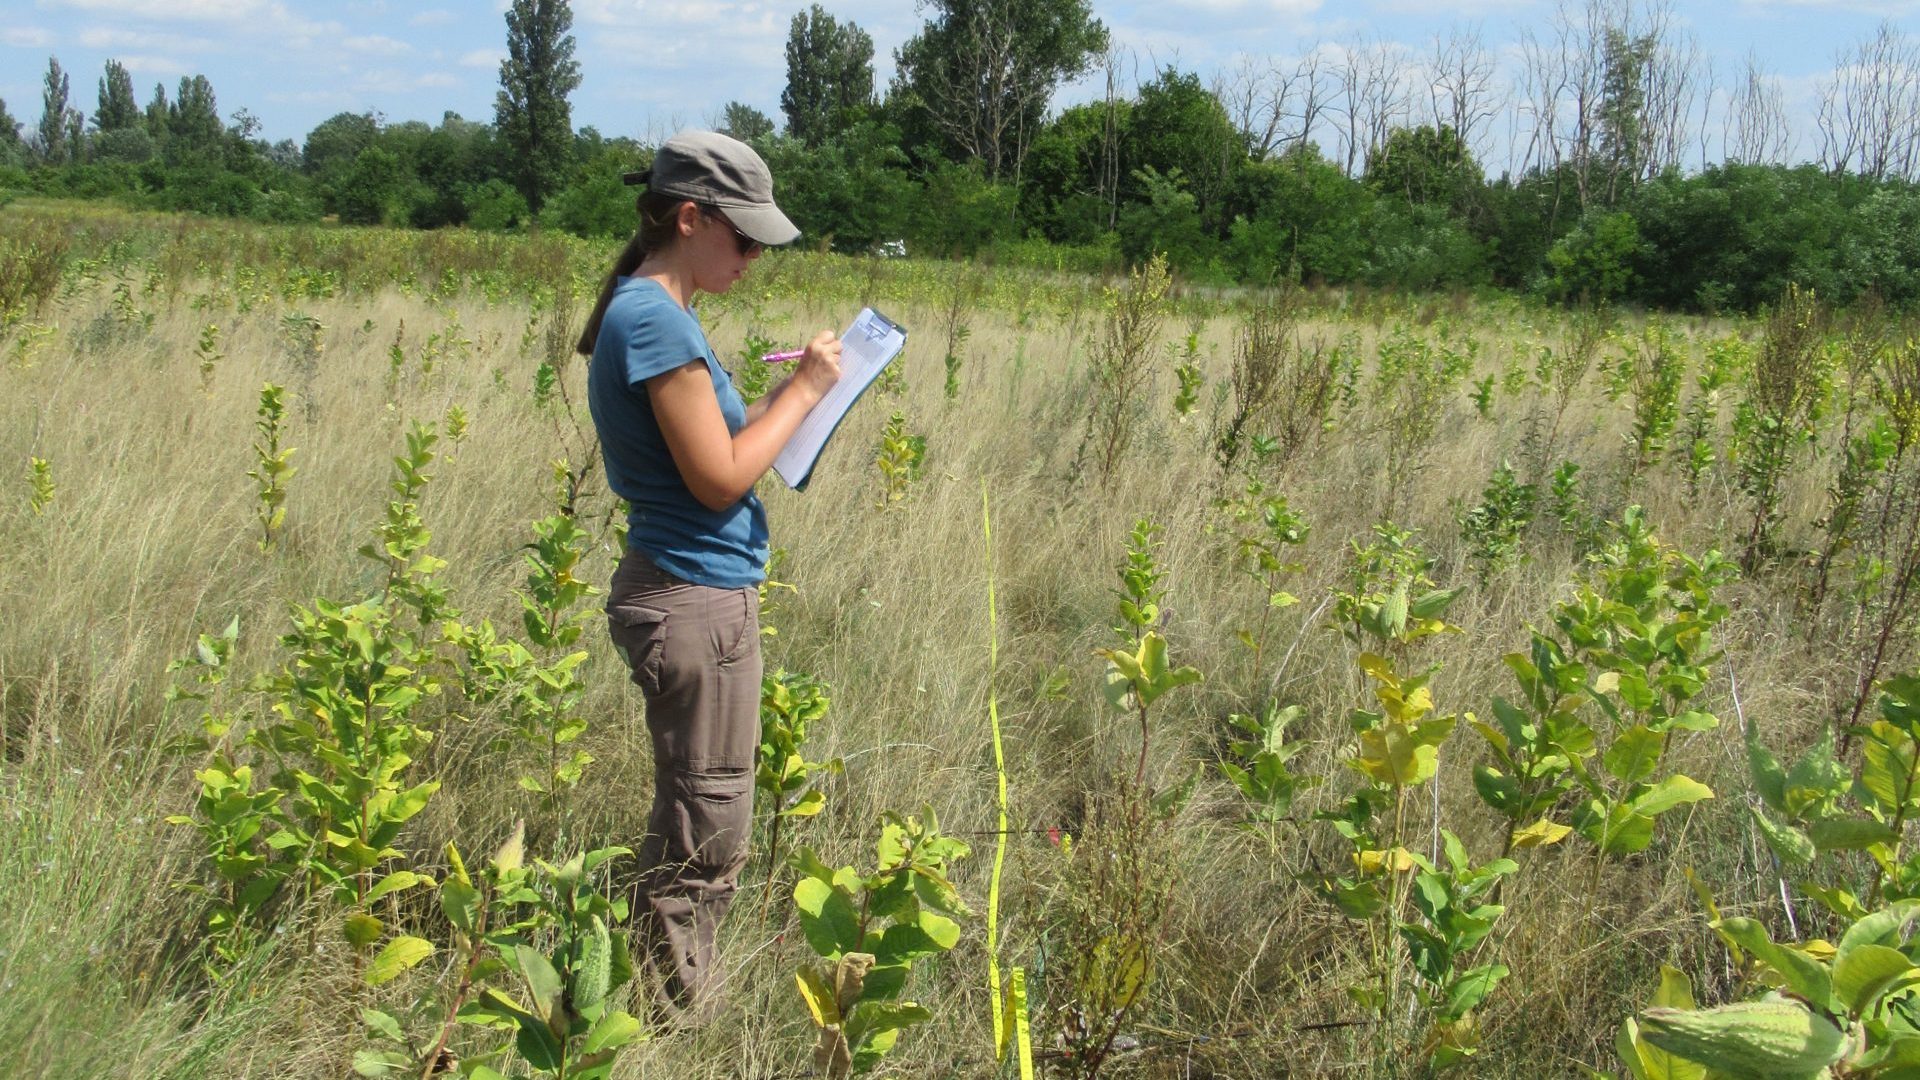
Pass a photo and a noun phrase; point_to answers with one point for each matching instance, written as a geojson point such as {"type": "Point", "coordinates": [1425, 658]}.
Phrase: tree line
{"type": "Point", "coordinates": [1358, 162]}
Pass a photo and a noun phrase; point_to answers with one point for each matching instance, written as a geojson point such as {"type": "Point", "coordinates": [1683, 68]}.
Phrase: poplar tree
{"type": "Point", "coordinates": [11, 150]}
{"type": "Point", "coordinates": [54, 118]}
{"type": "Point", "coordinates": [531, 110]}
{"type": "Point", "coordinates": [157, 113]}
{"type": "Point", "coordinates": [829, 75]}
{"type": "Point", "coordinates": [117, 108]}
{"type": "Point", "coordinates": [193, 121]}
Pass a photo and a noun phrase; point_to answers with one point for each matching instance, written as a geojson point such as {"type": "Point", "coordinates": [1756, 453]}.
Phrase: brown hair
{"type": "Point", "coordinates": [659, 221]}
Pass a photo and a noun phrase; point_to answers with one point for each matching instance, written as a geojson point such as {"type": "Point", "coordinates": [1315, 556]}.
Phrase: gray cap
{"type": "Point", "coordinates": [717, 170]}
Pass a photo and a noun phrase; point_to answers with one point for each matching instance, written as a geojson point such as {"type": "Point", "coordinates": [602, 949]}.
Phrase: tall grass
{"type": "Point", "coordinates": [150, 541]}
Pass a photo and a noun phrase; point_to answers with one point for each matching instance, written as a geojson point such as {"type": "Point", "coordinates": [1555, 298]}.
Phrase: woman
{"type": "Point", "coordinates": [684, 451]}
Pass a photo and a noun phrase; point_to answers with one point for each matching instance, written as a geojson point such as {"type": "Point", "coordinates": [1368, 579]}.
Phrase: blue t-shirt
{"type": "Point", "coordinates": [645, 333]}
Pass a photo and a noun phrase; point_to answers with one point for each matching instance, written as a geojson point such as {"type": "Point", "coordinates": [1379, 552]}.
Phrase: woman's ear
{"type": "Point", "coordinates": [687, 217]}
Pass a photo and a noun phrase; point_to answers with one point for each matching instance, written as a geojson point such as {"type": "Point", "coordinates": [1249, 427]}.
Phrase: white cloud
{"type": "Point", "coordinates": [155, 66]}
{"type": "Point", "coordinates": [483, 58]}
{"type": "Point", "coordinates": [376, 44]}
{"type": "Point", "coordinates": [168, 10]}
{"type": "Point", "coordinates": [436, 79]}
{"type": "Point", "coordinates": [113, 37]}
{"type": "Point", "coordinates": [433, 17]}
{"type": "Point", "coordinates": [640, 14]}
{"type": "Point", "coordinates": [26, 37]}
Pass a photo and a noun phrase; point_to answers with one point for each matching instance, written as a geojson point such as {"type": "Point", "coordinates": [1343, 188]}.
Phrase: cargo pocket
{"type": "Point", "coordinates": [716, 811]}
{"type": "Point", "coordinates": [640, 634]}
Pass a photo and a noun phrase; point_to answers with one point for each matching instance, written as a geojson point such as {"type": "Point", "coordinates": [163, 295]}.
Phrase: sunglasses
{"type": "Point", "coordinates": [747, 245]}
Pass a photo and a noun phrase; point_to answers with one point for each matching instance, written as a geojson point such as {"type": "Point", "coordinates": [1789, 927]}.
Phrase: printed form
{"type": "Point", "coordinates": [866, 349]}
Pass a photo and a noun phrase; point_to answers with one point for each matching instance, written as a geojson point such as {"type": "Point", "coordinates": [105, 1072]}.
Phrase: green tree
{"type": "Point", "coordinates": [1064, 192]}
{"type": "Point", "coordinates": [56, 118]}
{"type": "Point", "coordinates": [117, 108]}
{"type": "Point", "coordinates": [984, 71]}
{"type": "Point", "coordinates": [9, 128]}
{"type": "Point", "coordinates": [1178, 126]}
{"type": "Point", "coordinates": [1300, 213]}
{"type": "Point", "coordinates": [1167, 222]}
{"type": "Point", "coordinates": [1623, 111]}
{"type": "Point", "coordinates": [1425, 166]}
{"type": "Point", "coordinates": [744, 122]}
{"type": "Point", "coordinates": [333, 143]}
{"type": "Point", "coordinates": [850, 192]}
{"type": "Point", "coordinates": [829, 75]}
{"type": "Point", "coordinates": [531, 110]}
{"type": "Point", "coordinates": [157, 113]}
{"type": "Point", "coordinates": [1595, 261]}
{"type": "Point", "coordinates": [368, 191]}
{"type": "Point", "coordinates": [194, 131]}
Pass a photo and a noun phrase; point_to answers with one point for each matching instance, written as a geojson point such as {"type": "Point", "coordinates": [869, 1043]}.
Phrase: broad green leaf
{"type": "Point", "coordinates": [383, 1024]}
{"type": "Point", "coordinates": [612, 1031]}
{"type": "Point", "coordinates": [460, 902]}
{"type": "Point", "coordinates": [944, 931]}
{"type": "Point", "coordinates": [1849, 834]}
{"type": "Point", "coordinates": [1887, 767]}
{"type": "Point", "coordinates": [362, 930]}
{"type": "Point", "coordinates": [537, 1044]}
{"type": "Point", "coordinates": [394, 882]}
{"type": "Point", "coordinates": [1883, 927]}
{"type": "Point", "coordinates": [1634, 754]}
{"type": "Point", "coordinates": [1799, 972]}
{"type": "Point", "coordinates": [808, 805]}
{"type": "Point", "coordinates": [1676, 990]}
{"type": "Point", "coordinates": [378, 1063]}
{"type": "Point", "coordinates": [1789, 845]}
{"type": "Point", "coordinates": [1865, 972]}
{"type": "Point", "coordinates": [1669, 793]}
{"type": "Point", "coordinates": [543, 982]}
{"type": "Point", "coordinates": [1769, 779]}
{"type": "Point", "coordinates": [399, 954]}
{"type": "Point", "coordinates": [827, 917]}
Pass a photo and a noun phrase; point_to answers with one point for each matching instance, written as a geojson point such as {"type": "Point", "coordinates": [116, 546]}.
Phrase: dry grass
{"type": "Point", "coordinates": [150, 540]}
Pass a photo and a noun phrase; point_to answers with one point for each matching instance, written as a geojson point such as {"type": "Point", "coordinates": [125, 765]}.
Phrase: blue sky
{"type": "Point", "coordinates": [652, 66]}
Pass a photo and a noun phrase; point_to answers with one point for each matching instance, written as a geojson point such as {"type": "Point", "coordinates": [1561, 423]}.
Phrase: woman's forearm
{"type": "Point", "coordinates": [719, 468]}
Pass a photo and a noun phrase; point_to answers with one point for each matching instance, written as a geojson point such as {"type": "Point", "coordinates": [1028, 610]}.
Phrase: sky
{"type": "Point", "coordinates": [651, 67]}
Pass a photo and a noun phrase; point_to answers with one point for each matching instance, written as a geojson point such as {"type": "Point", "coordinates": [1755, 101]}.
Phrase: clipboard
{"type": "Point", "coordinates": [868, 346]}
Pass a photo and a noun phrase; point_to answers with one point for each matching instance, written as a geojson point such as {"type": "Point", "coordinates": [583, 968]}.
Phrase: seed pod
{"type": "Point", "coordinates": [591, 978]}
{"type": "Point", "coordinates": [1753, 1040]}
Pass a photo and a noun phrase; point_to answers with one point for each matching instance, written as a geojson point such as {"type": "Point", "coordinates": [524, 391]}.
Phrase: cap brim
{"type": "Point", "coordinates": [764, 223]}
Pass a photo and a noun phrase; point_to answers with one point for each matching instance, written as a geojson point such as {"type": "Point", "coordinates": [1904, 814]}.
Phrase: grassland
{"type": "Point", "coordinates": [149, 539]}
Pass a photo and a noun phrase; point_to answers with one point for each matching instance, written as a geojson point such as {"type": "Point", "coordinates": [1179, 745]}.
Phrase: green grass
{"type": "Point", "coordinates": [150, 540]}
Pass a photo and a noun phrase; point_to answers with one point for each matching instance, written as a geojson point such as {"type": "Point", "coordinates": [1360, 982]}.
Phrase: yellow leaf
{"type": "Point", "coordinates": [819, 999]}
{"type": "Point", "coordinates": [1379, 667]}
{"type": "Point", "coordinates": [1398, 860]}
{"type": "Point", "coordinates": [1394, 754]}
{"type": "Point", "coordinates": [1542, 833]}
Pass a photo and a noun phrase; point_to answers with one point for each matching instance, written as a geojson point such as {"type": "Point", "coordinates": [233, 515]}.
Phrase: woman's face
{"type": "Point", "coordinates": [719, 253]}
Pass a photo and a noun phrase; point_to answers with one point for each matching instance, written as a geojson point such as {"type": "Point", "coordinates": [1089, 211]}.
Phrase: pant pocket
{"type": "Point", "coordinates": [716, 811]}
{"type": "Point", "coordinates": [640, 634]}
{"type": "Point", "coordinates": [733, 617]}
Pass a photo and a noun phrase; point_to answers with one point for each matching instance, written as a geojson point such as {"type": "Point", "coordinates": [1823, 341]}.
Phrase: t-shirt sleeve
{"type": "Point", "coordinates": [663, 338]}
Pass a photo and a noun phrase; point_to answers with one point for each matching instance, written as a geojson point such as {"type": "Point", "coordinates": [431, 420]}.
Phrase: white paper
{"type": "Point", "coordinates": [865, 350]}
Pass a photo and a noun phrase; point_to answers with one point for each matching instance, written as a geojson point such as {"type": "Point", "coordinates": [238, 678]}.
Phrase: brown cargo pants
{"type": "Point", "coordinates": [694, 651]}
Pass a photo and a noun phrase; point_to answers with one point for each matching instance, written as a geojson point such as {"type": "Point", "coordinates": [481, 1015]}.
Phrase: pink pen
{"type": "Point", "coordinates": [783, 357]}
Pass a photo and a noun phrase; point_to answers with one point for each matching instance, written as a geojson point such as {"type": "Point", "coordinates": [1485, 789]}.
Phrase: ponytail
{"type": "Point", "coordinates": [659, 217]}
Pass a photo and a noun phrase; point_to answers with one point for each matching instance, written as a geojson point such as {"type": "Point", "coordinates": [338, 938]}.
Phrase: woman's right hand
{"type": "Point", "coordinates": [819, 368]}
